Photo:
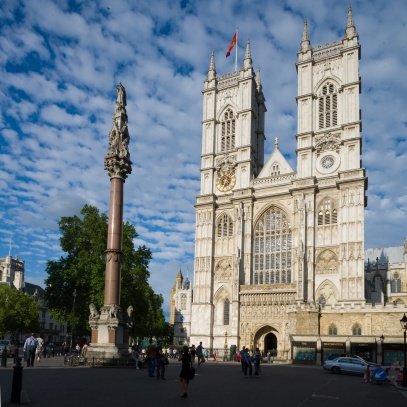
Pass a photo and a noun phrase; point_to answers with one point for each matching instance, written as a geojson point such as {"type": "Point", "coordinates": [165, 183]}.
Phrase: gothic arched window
{"type": "Point", "coordinates": [272, 256]}
{"type": "Point", "coordinates": [356, 330]}
{"type": "Point", "coordinates": [225, 226]}
{"type": "Point", "coordinates": [183, 301]}
{"type": "Point", "coordinates": [228, 131]}
{"type": "Point", "coordinates": [396, 283]}
{"type": "Point", "coordinates": [327, 213]}
{"type": "Point", "coordinates": [226, 312]}
{"type": "Point", "coordinates": [333, 330]}
{"type": "Point", "coordinates": [328, 106]}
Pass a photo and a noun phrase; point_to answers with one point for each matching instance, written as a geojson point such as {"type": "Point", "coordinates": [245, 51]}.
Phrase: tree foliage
{"type": "Point", "coordinates": [19, 313]}
{"type": "Point", "coordinates": [84, 240]}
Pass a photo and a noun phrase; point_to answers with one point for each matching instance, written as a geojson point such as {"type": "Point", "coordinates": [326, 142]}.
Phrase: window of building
{"type": "Point", "coordinates": [356, 330]}
{"type": "Point", "coordinates": [396, 283]}
{"type": "Point", "coordinates": [226, 312]}
{"type": "Point", "coordinates": [183, 301]}
{"type": "Point", "coordinates": [333, 330]}
{"type": "Point", "coordinates": [275, 169]}
{"type": "Point", "coordinates": [225, 226]}
{"type": "Point", "coordinates": [272, 256]}
{"type": "Point", "coordinates": [43, 314]}
{"type": "Point", "coordinates": [228, 131]}
{"type": "Point", "coordinates": [327, 213]}
{"type": "Point", "coordinates": [328, 106]}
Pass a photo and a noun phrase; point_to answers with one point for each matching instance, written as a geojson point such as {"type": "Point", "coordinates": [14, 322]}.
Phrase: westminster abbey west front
{"type": "Point", "coordinates": [279, 253]}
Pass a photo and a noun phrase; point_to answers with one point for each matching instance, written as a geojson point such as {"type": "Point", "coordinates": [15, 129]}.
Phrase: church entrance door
{"type": "Point", "coordinates": [270, 344]}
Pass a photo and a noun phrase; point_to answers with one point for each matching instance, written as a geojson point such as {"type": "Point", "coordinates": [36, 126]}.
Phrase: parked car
{"type": "Point", "coordinates": [11, 349]}
{"type": "Point", "coordinates": [348, 365]}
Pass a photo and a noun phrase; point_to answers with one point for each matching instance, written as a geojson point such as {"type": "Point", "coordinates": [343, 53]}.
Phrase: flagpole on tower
{"type": "Point", "coordinates": [236, 50]}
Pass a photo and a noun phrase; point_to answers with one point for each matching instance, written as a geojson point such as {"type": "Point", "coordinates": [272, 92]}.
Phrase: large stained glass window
{"type": "Point", "coordinates": [272, 248]}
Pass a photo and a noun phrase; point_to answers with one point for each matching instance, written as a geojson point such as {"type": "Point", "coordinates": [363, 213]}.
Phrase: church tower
{"type": "Point", "coordinates": [232, 155]}
{"type": "Point", "coordinates": [329, 190]}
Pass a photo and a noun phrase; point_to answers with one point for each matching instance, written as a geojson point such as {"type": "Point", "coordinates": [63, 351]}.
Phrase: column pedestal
{"type": "Point", "coordinates": [110, 334]}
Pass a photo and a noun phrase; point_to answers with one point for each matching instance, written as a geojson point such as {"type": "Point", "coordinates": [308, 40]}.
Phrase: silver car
{"type": "Point", "coordinates": [348, 365]}
{"type": "Point", "coordinates": [11, 349]}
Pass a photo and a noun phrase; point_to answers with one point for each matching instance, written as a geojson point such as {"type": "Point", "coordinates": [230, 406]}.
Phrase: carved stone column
{"type": "Point", "coordinates": [110, 326]}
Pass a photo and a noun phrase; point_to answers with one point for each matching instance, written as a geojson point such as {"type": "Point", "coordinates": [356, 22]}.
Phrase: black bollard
{"type": "Point", "coordinates": [16, 355]}
{"type": "Point", "coordinates": [17, 384]}
{"type": "Point", "coordinates": [4, 357]}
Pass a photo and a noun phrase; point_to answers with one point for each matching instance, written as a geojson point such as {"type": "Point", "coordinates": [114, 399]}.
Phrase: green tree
{"type": "Point", "coordinates": [84, 240]}
{"type": "Point", "coordinates": [19, 313]}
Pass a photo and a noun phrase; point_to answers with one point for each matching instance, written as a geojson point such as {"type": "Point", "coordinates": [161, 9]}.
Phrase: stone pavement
{"type": "Point", "coordinates": [49, 383]}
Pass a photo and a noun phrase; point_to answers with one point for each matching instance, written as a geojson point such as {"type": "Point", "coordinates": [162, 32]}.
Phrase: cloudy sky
{"type": "Point", "coordinates": [60, 61]}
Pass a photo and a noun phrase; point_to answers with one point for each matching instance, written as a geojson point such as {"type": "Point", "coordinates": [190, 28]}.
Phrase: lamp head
{"type": "Point", "coordinates": [403, 322]}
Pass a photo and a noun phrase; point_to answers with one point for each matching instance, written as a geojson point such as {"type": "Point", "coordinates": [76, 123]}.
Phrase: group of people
{"type": "Point", "coordinates": [33, 349]}
{"type": "Point", "coordinates": [248, 361]}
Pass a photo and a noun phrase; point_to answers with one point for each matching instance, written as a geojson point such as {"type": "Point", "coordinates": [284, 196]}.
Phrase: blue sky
{"type": "Point", "coordinates": [61, 60]}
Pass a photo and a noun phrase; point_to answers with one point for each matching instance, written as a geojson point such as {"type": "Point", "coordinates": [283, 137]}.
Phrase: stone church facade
{"type": "Point", "coordinates": [279, 253]}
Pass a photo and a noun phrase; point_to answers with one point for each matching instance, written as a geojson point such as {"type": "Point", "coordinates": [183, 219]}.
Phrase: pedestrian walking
{"type": "Point", "coordinates": [151, 353]}
{"type": "Point", "coordinates": [193, 353]}
{"type": "Point", "coordinates": [186, 360]}
{"type": "Point", "coordinates": [256, 362]}
{"type": "Point", "coordinates": [30, 346]}
{"type": "Point", "coordinates": [159, 355]}
{"type": "Point", "coordinates": [84, 349]}
{"type": "Point", "coordinates": [199, 353]}
{"type": "Point", "coordinates": [241, 353]}
{"type": "Point", "coordinates": [135, 356]}
{"type": "Point", "coordinates": [247, 362]}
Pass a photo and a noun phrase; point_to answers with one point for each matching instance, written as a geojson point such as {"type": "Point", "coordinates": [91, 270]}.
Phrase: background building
{"type": "Point", "coordinates": [180, 312]}
{"type": "Point", "coordinates": [12, 273]}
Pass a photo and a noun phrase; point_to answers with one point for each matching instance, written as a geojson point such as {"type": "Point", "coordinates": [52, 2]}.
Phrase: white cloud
{"type": "Point", "coordinates": [59, 70]}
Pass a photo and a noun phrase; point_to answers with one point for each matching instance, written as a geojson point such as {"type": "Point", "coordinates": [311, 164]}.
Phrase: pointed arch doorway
{"type": "Point", "coordinates": [270, 344]}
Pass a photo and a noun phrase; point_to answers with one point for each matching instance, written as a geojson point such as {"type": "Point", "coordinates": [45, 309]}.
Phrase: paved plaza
{"type": "Point", "coordinates": [49, 383]}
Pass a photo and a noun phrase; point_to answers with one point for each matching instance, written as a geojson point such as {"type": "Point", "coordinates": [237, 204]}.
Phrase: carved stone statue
{"type": "Point", "coordinates": [129, 310]}
{"type": "Point", "coordinates": [93, 311]}
{"type": "Point", "coordinates": [121, 95]}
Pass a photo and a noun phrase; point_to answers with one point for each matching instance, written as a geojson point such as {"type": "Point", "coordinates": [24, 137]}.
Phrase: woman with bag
{"type": "Point", "coordinates": [184, 376]}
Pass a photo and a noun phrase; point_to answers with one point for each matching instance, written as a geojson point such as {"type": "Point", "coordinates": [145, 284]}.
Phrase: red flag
{"type": "Point", "coordinates": [232, 44]}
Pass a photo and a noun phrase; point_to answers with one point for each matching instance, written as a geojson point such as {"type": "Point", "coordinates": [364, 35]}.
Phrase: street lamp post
{"type": "Point", "coordinates": [73, 316]}
{"type": "Point", "coordinates": [225, 357]}
{"type": "Point", "coordinates": [321, 304]}
{"type": "Point", "coordinates": [381, 348]}
{"type": "Point", "coordinates": [403, 322]}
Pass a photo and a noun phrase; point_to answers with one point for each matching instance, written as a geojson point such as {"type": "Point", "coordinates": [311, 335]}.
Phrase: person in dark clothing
{"type": "Point", "coordinates": [184, 375]}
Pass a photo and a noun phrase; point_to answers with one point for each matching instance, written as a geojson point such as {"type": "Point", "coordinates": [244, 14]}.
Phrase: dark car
{"type": "Point", "coordinates": [348, 365]}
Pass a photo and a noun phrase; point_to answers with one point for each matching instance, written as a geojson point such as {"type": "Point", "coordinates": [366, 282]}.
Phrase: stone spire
{"type": "Point", "coordinates": [179, 278]}
{"type": "Point", "coordinates": [305, 42]}
{"type": "Point", "coordinates": [350, 26]}
{"type": "Point", "coordinates": [117, 160]}
{"type": "Point", "coordinates": [212, 71]}
{"type": "Point", "coordinates": [247, 63]}
{"type": "Point", "coordinates": [258, 81]}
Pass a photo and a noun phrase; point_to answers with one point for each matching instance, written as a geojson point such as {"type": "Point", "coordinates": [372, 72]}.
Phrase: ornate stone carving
{"type": "Point", "coordinates": [331, 142]}
{"type": "Point", "coordinates": [327, 263]}
{"type": "Point", "coordinates": [223, 270]}
{"type": "Point", "coordinates": [117, 160]}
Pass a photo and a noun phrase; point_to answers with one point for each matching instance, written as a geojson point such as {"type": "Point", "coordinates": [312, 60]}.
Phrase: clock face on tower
{"type": "Point", "coordinates": [226, 181]}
